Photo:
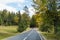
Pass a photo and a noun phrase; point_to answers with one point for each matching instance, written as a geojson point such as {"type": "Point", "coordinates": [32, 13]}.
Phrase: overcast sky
{"type": "Point", "coordinates": [16, 5]}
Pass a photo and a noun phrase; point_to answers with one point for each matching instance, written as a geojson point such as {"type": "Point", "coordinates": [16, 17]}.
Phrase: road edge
{"type": "Point", "coordinates": [41, 35]}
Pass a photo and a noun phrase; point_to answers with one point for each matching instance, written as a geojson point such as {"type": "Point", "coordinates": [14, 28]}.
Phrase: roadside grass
{"type": "Point", "coordinates": [51, 36]}
{"type": "Point", "coordinates": [4, 35]}
{"type": "Point", "coordinates": [28, 29]}
{"type": "Point", "coordinates": [58, 34]}
{"type": "Point", "coordinates": [6, 31]}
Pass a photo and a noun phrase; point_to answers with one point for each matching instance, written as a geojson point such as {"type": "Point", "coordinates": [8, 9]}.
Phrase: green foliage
{"type": "Point", "coordinates": [46, 28]}
{"type": "Point", "coordinates": [24, 22]}
{"type": "Point", "coordinates": [48, 14]}
{"type": "Point", "coordinates": [8, 18]}
{"type": "Point", "coordinates": [21, 27]}
{"type": "Point", "coordinates": [33, 21]}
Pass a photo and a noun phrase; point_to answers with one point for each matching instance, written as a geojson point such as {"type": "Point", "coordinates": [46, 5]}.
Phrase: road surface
{"type": "Point", "coordinates": [30, 35]}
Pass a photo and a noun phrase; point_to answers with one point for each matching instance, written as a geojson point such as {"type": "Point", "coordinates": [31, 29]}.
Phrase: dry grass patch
{"type": "Point", "coordinates": [6, 31]}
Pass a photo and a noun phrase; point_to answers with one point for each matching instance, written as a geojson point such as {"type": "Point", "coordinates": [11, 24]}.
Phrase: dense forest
{"type": "Point", "coordinates": [46, 17]}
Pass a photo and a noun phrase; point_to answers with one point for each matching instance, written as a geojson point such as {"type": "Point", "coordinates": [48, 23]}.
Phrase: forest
{"type": "Point", "coordinates": [46, 18]}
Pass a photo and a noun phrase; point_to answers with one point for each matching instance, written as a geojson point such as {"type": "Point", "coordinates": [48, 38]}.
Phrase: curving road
{"type": "Point", "coordinates": [30, 35]}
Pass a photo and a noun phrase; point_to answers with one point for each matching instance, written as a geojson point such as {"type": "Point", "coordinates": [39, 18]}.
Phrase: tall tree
{"type": "Point", "coordinates": [19, 22]}
{"type": "Point", "coordinates": [49, 14]}
{"type": "Point", "coordinates": [23, 22]}
{"type": "Point", "coordinates": [26, 9]}
{"type": "Point", "coordinates": [25, 19]}
{"type": "Point", "coordinates": [40, 5]}
{"type": "Point", "coordinates": [33, 22]}
{"type": "Point", "coordinates": [1, 21]}
{"type": "Point", "coordinates": [53, 9]}
{"type": "Point", "coordinates": [4, 15]}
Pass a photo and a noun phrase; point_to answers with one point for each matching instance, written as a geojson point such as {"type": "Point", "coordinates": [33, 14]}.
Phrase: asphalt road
{"type": "Point", "coordinates": [30, 35]}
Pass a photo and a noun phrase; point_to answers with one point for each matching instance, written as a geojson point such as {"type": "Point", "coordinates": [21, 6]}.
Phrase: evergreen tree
{"type": "Point", "coordinates": [33, 22]}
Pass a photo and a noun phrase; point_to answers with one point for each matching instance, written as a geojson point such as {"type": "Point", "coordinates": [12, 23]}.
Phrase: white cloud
{"type": "Point", "coordinates": [9, 8]}
{"type": "Point", "coordinates": [22, 11]}
{"type": "Point", "coordinates": [31, 10]}
{"type": "Point", "coordinates": [9, 1]}
{"type": "Point", "coordinates": [2, 6]}
{"type": "Point", "coordinates": [19, 5]}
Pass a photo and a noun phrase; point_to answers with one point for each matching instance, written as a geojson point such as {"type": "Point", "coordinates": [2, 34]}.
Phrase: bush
{"type": "Point", "coordinates": [46, 28]}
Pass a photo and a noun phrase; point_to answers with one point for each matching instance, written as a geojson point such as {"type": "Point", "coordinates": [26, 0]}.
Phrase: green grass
{"type": "Point", "coordinates": [6, 31]}
{"type": "Point", "coordinates": [51, 36]}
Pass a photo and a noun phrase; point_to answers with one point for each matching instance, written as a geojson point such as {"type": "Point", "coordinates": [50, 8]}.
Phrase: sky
{"type": "Point", "coordinates": [16, 5]}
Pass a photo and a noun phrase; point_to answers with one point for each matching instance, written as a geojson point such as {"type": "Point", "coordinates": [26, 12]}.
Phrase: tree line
{"type": "Point", "coordinates": [47, 16]}
{"type": "Point", "coordinates": [8, 18]}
